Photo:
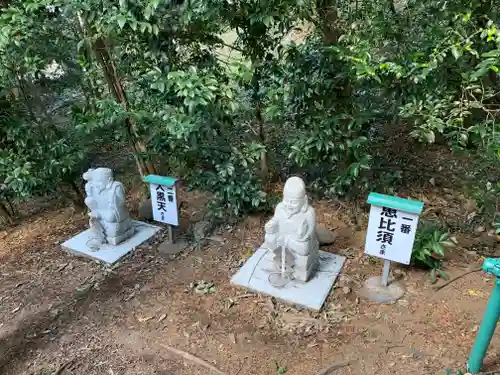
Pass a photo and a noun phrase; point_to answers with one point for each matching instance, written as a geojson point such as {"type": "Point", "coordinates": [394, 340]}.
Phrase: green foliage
{"type": "Point", "coordinates": [429, 248]}
{"type": "Point", "coordinates": [486, 195]}
{"type": "Point", "coordinates": [329, 131]}
{"type": "Point", "coordinates": [34, 157]}
{"type": "Point", "coordinates": [450, 371]}
{"type": "Point", "coordinates": [236, 190]}
{"type": "Point", "coordinates": [443, 76]}
{"type": "Point", "coordinates": [483, 187]}
{"type": "Point", "coordinates": [280, 370]}
{"type": "Point", "coordinates": [149, 73]}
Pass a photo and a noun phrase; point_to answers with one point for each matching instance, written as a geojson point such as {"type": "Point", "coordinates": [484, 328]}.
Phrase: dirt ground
{"type": "Point", "coordinates": [62, 315]}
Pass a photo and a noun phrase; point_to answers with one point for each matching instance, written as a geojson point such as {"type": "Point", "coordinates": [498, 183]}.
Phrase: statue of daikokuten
{"type": "Point", "coordinates": [293, 227]}
{"type": "Point", "coordinates": [109, 218]}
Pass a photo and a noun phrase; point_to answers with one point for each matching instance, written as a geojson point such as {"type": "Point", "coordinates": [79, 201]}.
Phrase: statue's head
{"type": "Point", "coordinates": [294, 196]}
{"type": "Point", "coordinates": [99, 178]}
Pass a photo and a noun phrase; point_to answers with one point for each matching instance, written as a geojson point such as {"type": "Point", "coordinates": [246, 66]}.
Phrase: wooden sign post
{"type": "Point", "coordinates": [391, 232]}
{"type": "Point", "coordinates": [164, 201]}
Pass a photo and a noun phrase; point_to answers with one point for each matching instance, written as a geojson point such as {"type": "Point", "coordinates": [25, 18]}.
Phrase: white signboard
{"type": "Point", "coordinates": [164, 201]}
{"type": "Point", "coordinates": [391, 234]}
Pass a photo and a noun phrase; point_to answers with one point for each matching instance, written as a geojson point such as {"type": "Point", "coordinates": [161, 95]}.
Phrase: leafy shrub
{"type": "Point", "coordinates": [483, 186]}
{"type": "Point", "coordinates": [330, 134]}
{"type": "Point", "coordinates": [234, 183]}
{"type": "Point", "coordinates": [429, 247]}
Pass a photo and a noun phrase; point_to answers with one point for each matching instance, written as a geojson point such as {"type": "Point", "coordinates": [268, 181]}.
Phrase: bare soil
{"type": "Point", "coordinates": [62, 315]}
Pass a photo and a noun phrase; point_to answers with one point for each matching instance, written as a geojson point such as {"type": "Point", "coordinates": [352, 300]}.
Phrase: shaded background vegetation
{"type": "Point", "coordinates": [235, 95]}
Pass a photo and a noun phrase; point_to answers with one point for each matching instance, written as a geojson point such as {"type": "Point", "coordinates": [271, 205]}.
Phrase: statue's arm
{"type": "Point", "coordinates": [120, 194]}
{"type": "Point", "coordinates": [88, 189]}
{"type": "Point", "coordinates": [274, 220]}
{"type": "Point", "coordinates": [89, 201]}
{"type": "Point", "coordinates": [311, 223]}
{"type": "Point", "coordinates": [113, 213]}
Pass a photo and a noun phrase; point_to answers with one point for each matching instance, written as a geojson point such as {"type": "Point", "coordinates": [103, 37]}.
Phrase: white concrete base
{"type": "Point", "coordinates": [257, 272]}
{"type": "Point", "coordinates": [375, 291]}
{"type": "Point", "coordinates": [79, 245]}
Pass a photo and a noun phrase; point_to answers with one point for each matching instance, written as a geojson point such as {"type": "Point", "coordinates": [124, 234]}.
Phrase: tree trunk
{"type": "Point", "coordinates": [392, 7]}
{"type": "Point", "coordinates": [21, 84]}
{"type": "Point", "coordinates": [79, 199]}
{"type": "Point", "coordinates": [5, 213]}
{"type": "Point", "coordinates": [139, 148]}
{"type": "Point", "coordinates": [328, 20]}
{"type": "Point", "coordinates": [101, 52]}
{"type": "Point", "coordinates": [13, 211]}
{"type": "Point", "coordinates": [264, 168]}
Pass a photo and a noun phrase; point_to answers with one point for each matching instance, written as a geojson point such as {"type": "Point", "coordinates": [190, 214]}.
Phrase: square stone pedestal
{"type": "Point", "coordinates": [258, 270]}
{"type": "Point", "coordinates": [109, 254]}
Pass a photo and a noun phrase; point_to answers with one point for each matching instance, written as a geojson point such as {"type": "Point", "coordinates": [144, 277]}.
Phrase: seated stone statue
{"type": "Point", "coordinates": [109, 218]}
{"type": "Point", "coordinates": [294, 227]}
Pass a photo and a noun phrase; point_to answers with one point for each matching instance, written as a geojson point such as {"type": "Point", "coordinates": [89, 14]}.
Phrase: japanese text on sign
{"type": "Point", "coordinates": [164, 201]}
{"type": "Point", "coordinates": [391, 234]}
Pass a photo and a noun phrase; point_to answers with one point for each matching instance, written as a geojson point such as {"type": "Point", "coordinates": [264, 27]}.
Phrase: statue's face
{"type": "Point", "coordinates": [99, 182]}
{"type": "Point", "coordinates": [292, 204]}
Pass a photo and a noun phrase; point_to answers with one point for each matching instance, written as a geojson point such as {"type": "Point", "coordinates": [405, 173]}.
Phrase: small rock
{"type": "Point", "coordinates": [168, 248]}
{"type": "Point", "coordinates": [346, 290]}
{"type": "Point", "coordinates": [487, 240]}
{"type": "Point", "coordinates": [480, 229]}
{"type": "Point", "coordinates": [325, 235]}
{"type": "Point", "coordinates": [399, 273]}
{"type": "Point", "coordinates": [145, 210]}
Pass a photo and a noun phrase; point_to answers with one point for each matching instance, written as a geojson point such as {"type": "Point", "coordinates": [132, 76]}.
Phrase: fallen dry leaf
{"type": "Point", "coordinates": [161, 318]}
{"type": "Point", "coordinates": [142, 320]}
{"type": "Point", "coordinates": [62, 267]}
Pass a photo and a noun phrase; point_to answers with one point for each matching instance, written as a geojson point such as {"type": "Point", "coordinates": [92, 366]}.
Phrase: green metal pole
{"type": "Point", "coordinates": [490, 319]}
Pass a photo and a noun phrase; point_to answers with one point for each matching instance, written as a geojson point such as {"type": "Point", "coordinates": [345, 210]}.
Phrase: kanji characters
{"type": "Point", "coordinates": [160, 198]}
{"type": "Point", "coordinates": [385, 237]}
{"type": "Point", "coordinates": [382, 249]}
{"type": "Point", "coordinates": [405, 228]}
{"type": "Point", "coordinates": [387, 224]}
{"type": "Point", "coordinates": [389, 212]}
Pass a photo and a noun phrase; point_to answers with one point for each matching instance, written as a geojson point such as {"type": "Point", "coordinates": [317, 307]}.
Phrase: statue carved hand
{"type": "Point", "coordinates": [271, 227]}
{"type": "Point", "coordinates": [281, 241]}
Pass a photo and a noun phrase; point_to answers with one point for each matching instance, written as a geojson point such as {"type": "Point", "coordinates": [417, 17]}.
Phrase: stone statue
{"type": "Point", "coordinates": [293, 227]}
{"type": "Point", "coordinates": [109, 218]}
